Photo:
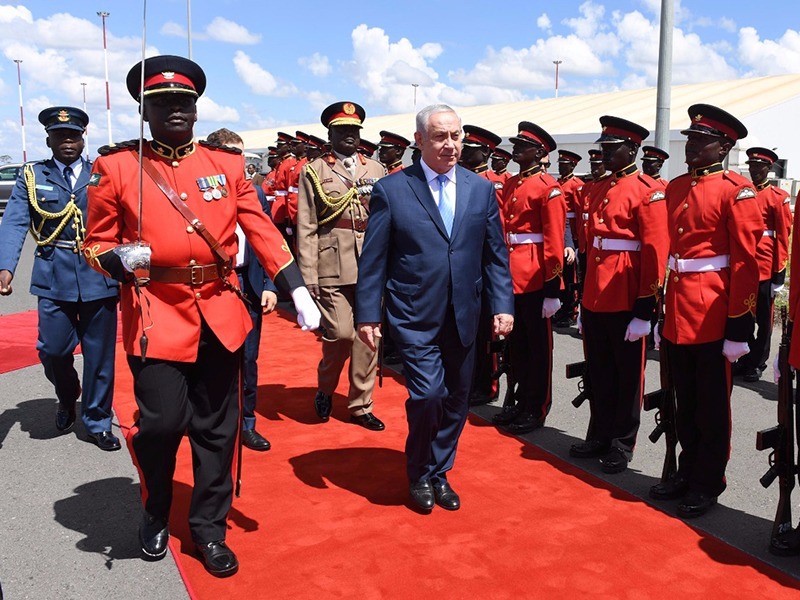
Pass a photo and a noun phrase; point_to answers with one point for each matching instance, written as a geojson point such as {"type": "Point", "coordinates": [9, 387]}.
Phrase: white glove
{"type": "Point", "coordinates": [637, 329]}
{"type": "Point", "coordinates": [550, 307]}
{"type": "Point", "coordinates": [579, 323]}
{"type": "Point", "coordinates": [308, 316]}
{"type": "Point", "coordinates": [775, 289]}
{"type": "Point", "coordinates": [657, 337]}
{"type": "Point", "coordinates": [733, 351]}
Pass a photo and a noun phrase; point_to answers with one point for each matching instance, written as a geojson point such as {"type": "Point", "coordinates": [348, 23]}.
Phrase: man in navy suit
{"type": "Point", "coordinates": [76, 303]}
{"type": "Point", "coordinates": [433, 243]}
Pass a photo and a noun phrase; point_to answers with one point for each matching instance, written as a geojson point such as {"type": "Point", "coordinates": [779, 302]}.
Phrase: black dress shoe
{"type": "Point", "coordinates": [323, 403]}
{"type": "Point", "coordinates": [614, 462]}
{"type": "Point", "coordinates": [421, 494]}
{"type": "Point", "coordinates": [65, 418]}
{"type": "Point", "coordinates": [218, 559]}
{"type": "Point", "coordinates": [153, 537]}
{"type": "Point", "coordinates": [105, 440]}
{"type": "Point", "coordinates": [368, 421]}
{"type": "Point", "coordinates": [506, 416]}
{"type": "Point", "coordinates": [752, 375]}
{"type": "Point", "coordinates": [255, 441]}
{"type": "Point", "coordinates": [588, 449]}
{"type": "Point", "coordinates": [695, 504]}
{"type": "Point", "coordinates": [670, 489]}
{"type": "Point", "coordinates": [446, 496]}
{"type": "Point", "coordinates": [478, 398]}
{"type": "Point", "coordinates": [786, 544]}
{"type": "Point", "coordinates": [524, 423]}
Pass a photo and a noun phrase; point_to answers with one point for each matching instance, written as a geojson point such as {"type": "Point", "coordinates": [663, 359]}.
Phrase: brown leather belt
{"type": "Point", "coordinates": [194, 275]}
{"type": "Point", "coordinates": [353, 225]}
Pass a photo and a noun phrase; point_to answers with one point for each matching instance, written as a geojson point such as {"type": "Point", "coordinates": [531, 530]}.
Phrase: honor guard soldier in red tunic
{"type": "Point", "coordinates": [332, 214]}
{"type": "Point", "coordinates": [183, 321]}
{"type": "Point", "coordinates": [499, 164]}
{"type": "Point", "coordinates": [268, 185]}
{"type": "Point", "coordinates": [367, 148]}
{"type": "Point", "coordinates": [534, 216]}
{"type": "Point", "coordinates": [390, 151]}
{"type": "Point", "coordinates": [571, 186]}
{"type": "Point", "coordinates": [477, 145]}
{"type": "Point", "coordinates": [714, 224]}
{"type": "Point", "coordinates": [652, 160]}
{"type": "Point", "coordinates": [627, 255]}
{"type": "Point", "coordinates": [598, 172]}
{"type": "Point", "coordinates": [280, 209]}
{"type": "Point", "coordinates": [772, 253]}
{"type": "Point", "coordinates": [315, 147]}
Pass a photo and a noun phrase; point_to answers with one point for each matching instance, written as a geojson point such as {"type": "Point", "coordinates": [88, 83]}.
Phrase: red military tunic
{"type": "Point", "coordinates": [172, 311]}
{"type": "Point", "coordinates": [396, 169]}
{"type": "Point", "coordinates": [268, 185]}
{"type": "Point", "coordinates": [625, 206]}
{"type": "Point", "coordinates": [280, 209]}
{"type": "Point", "coordinates": [772, 251]}
{"type": "Point", "coordinates": [712, 213]}
{"type": "Point", "coordinates": [498, 181]}
{"type": "Point", "coordinates": [661, 182]}
{"type": "Point", "coordinates": [571, 186]}
{"type": "Point", "coordinates": [534, 204]}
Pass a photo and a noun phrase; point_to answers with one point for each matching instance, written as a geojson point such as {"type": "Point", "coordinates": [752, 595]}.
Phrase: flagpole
{"type": "Point", "coordinates": [103, 14]}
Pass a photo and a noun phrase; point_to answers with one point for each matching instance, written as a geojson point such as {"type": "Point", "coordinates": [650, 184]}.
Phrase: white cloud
{"type": "Point", "coordinates": [317, 63]}
{"type": "Point", "coordinates": [223, 30]}
{"type": "Point", "coordinates": [9, 14]}
{"type": "Point", "coordinates": [319, 100]}
{"type": "Point", "coordinates": [258, 79]}
{"type": "Point", "coordinates": [769, 57]}
{"type": "Point", "coordinates": [543, 22]}
{"type": "Point", "coordinates": [173, 29]}
{"type": "Point", "coordinates": [727, 24]}
{"type": "Point", "coordinates": [210, 111]}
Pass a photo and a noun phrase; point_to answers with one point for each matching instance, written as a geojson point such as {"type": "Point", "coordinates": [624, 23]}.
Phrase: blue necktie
{"type": "Point", "coordinates": [68, 177]}
{"type": "Point", "coordinates": [446, 208]}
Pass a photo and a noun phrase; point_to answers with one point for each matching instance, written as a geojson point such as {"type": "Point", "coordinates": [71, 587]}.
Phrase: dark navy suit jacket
{"type": "Point", "coordinates": [256, 276]}
{"type": "Point", "coordinates": [409, 260]}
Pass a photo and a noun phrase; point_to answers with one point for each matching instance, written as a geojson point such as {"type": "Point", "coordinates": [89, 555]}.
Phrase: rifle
{"type": "Point", "coordinates": [580, 369]}
{"type": "Point", "coordinates": [663, 401]}
{"type": "Point", "coordinates": [780, 439]}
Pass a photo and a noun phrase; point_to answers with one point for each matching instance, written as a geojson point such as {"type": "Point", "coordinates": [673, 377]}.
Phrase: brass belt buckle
{"type": "Point", "coordinates": [197, 275]}
{"type": "Point", "coordinates": [360, 224]}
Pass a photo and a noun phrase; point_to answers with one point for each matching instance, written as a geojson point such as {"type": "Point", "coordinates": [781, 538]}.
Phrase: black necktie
{"type": "Point", "coordinates": [68, 177]}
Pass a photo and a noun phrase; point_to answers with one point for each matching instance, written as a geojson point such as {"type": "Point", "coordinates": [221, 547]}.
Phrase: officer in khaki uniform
{"type": "Point", "coordinates": [333, 208]}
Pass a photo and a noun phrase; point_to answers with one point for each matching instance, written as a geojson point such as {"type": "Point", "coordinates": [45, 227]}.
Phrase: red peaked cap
{"type": "Point", "coordinates": [478, 136]}
{"type": "Point", "coordinates": [617, 129]}
{"type": "Point", "coordinates": [712, 120]}
{"type": "Point", "coordinates": [758, 154]}
{"type": "Point", "coordinates": [530, 133]}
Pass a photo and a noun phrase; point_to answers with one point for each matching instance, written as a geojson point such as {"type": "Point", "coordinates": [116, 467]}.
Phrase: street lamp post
{"type": "Point", "coordinates": [103, 14]}
{"type": "Point", "coordinates": [556, 63]}
{"type": "Point", "coordinates": [415, 86]}
{"type": "Point", "coordinates": [189, 25]}
{"type": "Point", "coordinates": [21, 111]}
{"type": "Point", "coordinates": [83, 85]}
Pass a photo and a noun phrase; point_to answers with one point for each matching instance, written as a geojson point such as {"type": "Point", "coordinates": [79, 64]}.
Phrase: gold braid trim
{"type": "Point", "coordinates": [70, 211]}
{"type": "Point", "coordinates": [336, 204]}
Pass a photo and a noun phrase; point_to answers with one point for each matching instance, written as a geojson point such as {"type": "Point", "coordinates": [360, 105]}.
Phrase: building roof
{"type": "Point", "coordinates": [568, 115]}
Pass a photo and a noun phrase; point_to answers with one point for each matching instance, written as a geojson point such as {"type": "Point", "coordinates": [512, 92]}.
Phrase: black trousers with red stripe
{"type": "Point", "coordinates": [617, 371]}
{"type": "Point", "coordinates": [531, 354]}
{"type": "Point", "coordinates": [200, 398]}
{"type": "Point", "coordinates": [702, 378]}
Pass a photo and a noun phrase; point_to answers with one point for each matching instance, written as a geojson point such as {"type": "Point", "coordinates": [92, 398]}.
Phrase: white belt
{"type": "Point", "coordinates": [616, 245]}
{"type": "Point", "coordinates": [699, 265]}
{"type": "Point", "coordinates": [768, 233]}
{"type": "Point", "coordinates": [585, 216]}
{"type": "Point", "coordinates": [281, 193]}
{"type": "Point", "coordinates": [525, 238]}
{"type": "Point", "coordinates": [570, 215]}
{"type": "Point", "coordinates": [293, 190]}
{"type": "Point", "coordinates": [270, 198]}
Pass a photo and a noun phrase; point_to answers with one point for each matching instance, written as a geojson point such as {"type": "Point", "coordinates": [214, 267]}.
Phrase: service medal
{"type": "Point", "coordinates": [224, 192]}
{"type": "Point", "coordinates": [216, 194]}
{"type": "Point", "coordinates": [208, 196]}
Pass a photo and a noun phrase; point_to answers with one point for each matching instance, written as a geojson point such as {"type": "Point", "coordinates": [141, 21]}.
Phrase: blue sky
{"type": "Point", "coordinates": [274, 63]}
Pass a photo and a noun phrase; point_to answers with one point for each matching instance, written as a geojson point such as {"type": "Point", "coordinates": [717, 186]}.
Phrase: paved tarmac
{"type": "Point", "coordinates": [70, 512]}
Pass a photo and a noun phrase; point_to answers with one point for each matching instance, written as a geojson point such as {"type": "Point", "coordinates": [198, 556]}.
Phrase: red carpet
{"type": "Point", "coordinates": [324, 515]}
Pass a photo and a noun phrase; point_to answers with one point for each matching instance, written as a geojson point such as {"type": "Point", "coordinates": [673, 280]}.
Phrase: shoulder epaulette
{"type": "Point", "coordinates": [554, 192]}
{"type": "Point", "coordinates": [112, 148]}
{"type": "Point", "coordinates": [222, 147]}
{"type": "Point", "coordinates": [656, 196]}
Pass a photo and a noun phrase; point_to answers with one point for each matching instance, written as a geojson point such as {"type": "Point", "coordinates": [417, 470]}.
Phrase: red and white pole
{"type": "Point", "coordinates": [21, 111]}
{"type": "Point", "coordinates": [103, 15]}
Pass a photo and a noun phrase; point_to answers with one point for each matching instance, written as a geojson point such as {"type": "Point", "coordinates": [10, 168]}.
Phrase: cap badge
{"type": "Point", "coordinates": [63, 116]}
{"type": "Point", "coordinates": [698, 118]}
{"type": "Point", "coordinates": [168, 74]}
{"type": "Point", "coordinates": [348, 108]}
